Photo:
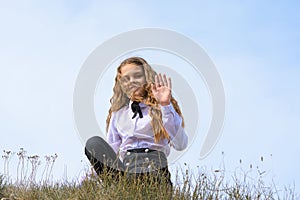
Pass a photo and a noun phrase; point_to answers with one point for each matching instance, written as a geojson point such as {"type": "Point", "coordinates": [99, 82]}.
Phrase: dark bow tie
{"type": "Point", "coordinates": [135, 107]}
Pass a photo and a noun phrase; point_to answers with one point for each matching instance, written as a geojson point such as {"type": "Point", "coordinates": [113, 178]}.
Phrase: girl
{"type": "Point", "coordinates": [143, 122]}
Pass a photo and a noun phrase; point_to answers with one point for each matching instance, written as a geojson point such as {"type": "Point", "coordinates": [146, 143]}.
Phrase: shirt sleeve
{"type": "Point", "coordinates": [113, 137]}
{"type": "Point", "coordinates": [172, 123]}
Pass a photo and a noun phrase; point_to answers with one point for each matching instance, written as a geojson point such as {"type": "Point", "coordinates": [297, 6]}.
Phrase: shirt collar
{"type": "Point", "coordinates": [142, 105]}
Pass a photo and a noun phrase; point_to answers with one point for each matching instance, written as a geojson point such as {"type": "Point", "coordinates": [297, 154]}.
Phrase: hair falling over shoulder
{"type": "Point", "coordinates": [142, 94]}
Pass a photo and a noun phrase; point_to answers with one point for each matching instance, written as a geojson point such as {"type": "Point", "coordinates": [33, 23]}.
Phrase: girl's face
{"type": "Point", "coordinates": [132, 77]}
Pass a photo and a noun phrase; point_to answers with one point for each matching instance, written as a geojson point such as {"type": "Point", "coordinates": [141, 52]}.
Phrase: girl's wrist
{"type": "Point", "coordinates": [165, 103]}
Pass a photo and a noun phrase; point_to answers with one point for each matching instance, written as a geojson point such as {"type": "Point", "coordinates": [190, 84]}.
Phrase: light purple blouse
{"type": "Point", "coordinates": [126, 133]}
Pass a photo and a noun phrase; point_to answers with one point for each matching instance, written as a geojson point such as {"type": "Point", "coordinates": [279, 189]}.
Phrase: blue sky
{"type": "Point", "coordinates": [253, 44]}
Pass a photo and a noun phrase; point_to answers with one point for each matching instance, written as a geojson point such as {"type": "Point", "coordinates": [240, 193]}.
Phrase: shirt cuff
{"type": "Point", "coordinates": [167, 109]}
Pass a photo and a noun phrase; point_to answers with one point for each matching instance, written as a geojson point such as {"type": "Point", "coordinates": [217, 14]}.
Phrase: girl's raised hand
{"type": "Point", "coordinates": [162, 89]}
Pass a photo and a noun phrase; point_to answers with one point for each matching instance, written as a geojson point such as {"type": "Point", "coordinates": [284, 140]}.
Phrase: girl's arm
{"type": "Point", "coordinates": [113, 137]}
{"type": "Point", "coordinates": [172, 123]}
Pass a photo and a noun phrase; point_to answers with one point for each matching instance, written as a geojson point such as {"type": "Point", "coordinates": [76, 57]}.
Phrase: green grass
{"type": "Point", "coordinates": [186, 185]}
{"type": "Point", "coordinates": [203, 186]}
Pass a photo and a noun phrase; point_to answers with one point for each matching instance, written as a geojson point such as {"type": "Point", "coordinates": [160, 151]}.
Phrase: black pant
{"type": "Point", "coordinates": [137, 162]}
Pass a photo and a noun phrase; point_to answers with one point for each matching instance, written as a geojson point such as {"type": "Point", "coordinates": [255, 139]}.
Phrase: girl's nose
{"type": "Point", "coordinates": [131, 79]}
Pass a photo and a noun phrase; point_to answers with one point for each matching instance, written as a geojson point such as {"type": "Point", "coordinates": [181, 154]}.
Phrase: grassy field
{"type": "Point", "coordinates": [105, 187]}
{"type": "Point", "coordinates": [186, 184]}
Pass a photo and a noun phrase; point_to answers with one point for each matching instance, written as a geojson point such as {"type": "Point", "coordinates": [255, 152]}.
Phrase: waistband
{"type": "Point", "coordinates": [140, 150]}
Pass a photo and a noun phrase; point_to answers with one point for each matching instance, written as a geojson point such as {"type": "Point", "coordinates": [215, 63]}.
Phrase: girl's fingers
{"type": "Point", "coordinates": [169, 83]}
{"type": "Point", "coordinates": [165, 80]}
{"type": "Point", "coordinates": [156, 81]}
{"type": "Point", "coordinates": [161, 82]}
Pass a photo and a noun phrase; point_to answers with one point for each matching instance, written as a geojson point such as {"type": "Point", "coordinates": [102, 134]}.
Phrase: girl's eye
{"type": "Point", "coordinates": [138, 76]}
{"type": "Point", "coordinates": [124, 79]}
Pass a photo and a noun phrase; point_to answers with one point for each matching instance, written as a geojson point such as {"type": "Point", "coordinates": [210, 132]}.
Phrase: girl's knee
{"type": "Point", "coordinates": [94, 141]}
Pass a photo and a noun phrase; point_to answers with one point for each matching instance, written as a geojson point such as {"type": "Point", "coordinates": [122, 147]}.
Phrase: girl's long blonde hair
{"type": "Point", "coordinates": [142, 94]}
